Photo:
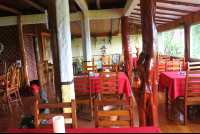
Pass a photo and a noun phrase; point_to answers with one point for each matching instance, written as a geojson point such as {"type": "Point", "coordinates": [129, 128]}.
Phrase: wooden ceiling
{"type": "Point", "coordinates": [167, 11]}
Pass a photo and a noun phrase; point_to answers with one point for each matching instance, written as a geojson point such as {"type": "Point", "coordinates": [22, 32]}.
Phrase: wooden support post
{"type": "Point", "coordinates": [147, 96]}
{"type": "Point", "coordinates": [38, 59]}
{"type": "Point", "coordinates": [23, 50]}
{"type": "Point", "coordinates": [55, 52]}
{"type": "Point", "coordinates": [126, 47]}
{"type": "Point", "coordinates": [187, 43]}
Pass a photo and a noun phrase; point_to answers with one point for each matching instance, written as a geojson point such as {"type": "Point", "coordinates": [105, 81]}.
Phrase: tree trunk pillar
{"type": "Point", "coordinates": [23, 50]}
{"type": "Point", "coordinates": [147, 96]}
{"type": "Point", "coordinates": [126, 47]}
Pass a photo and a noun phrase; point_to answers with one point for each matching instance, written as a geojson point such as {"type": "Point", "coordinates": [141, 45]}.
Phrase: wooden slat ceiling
{"type": "Point", "coordinates": [167, 11]}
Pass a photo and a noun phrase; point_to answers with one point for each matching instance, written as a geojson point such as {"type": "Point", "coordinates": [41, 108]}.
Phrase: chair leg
{"type": "Point", "coordinates": [8, 101]}
{"type": "Point", "coordinates": [91, 110]}
{"type": "Point", "coordinates": [19, 97]}
{"type": "Point", "coordinates": [185, 114]}
{"type": "Point", "coordinates": [166, 100]}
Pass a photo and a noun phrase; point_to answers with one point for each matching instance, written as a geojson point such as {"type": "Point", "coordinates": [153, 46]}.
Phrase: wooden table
{"type": "Point", "coordinates": [92, 130]}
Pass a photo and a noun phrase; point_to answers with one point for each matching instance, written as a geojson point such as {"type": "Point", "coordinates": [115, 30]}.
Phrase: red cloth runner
{"type": "Point", "coordinates": [124, 85]}
{"type": "Point", "coordinates": [174, 82]}
{"type": "Point", "coordinates": [92, 130]}
{"type": "Point", "coordinates": [135, 61]}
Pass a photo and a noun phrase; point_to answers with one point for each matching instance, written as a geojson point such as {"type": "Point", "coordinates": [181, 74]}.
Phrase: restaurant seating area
{"type": "Point", "coordinates": [167, 124]}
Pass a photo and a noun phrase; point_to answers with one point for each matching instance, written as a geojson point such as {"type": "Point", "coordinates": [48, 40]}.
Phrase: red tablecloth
{"type": "Point", "coordinates": [92, 130]}
{"type": "Point", "coordinates": [124, 85]}
{"type": "Point", "coordinates": [135, 59]}
{"type": "Point", "coordinates": [175, 83]}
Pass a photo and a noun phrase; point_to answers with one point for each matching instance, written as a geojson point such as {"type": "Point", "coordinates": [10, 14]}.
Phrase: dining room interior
{"type": "Point", "coordinates": [103, 66]}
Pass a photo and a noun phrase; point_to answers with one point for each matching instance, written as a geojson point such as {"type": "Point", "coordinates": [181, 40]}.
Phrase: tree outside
{"type": "Point", "coordinates": [173, 42]}
{"type": "Point", "coordinates": [195, 41]}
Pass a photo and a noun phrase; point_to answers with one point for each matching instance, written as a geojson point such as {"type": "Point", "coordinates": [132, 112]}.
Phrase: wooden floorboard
{"type": "Point", "coordinates": [167, 123]}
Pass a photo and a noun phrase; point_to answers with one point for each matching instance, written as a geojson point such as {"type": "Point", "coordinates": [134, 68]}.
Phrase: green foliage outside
{"type": "Point", "coordinates": [195, 42]}
{"type": "Point", "coordinates": [172, 48]}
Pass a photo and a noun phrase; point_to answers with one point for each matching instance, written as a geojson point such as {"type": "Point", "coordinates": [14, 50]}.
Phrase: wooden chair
{"type": "Point", "coordinates": [100, 113]}
{"type": "Point", "coordinates": [182, 62]}
{"type": "Point", "coordinates": [193, 66]}
{"type": "Point", "coordinates": [92, 69]}
{"type": "Point", "coordinates": [92, 61]}
{"type": "Point", "coordinates": [165, 57]}
{"type": "Point", "coordinates": [112, 68]}
{"type": "Point", "coordinates": [162, 66]}
{"type": "Point", "coordinates": [11, 86]}
{"type": "Point", "coordinates": [109, 85]}
{"type": "Point", "coordinates": [192, 93]}
{"type": "Point", "coordinates": [38, 116]}
{"type": "Point", "coordinates": [121, 63]}
{"type": "Point", "coordinates": [106, 60]}
{"type": "Point", "coordinates": [176, 66]}
{"type": "Point", "coordinates": [86, 96]}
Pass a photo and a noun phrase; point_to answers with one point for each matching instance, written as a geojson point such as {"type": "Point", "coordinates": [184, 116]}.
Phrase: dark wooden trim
{"type": "Point", "coordinates": [35, 5]}
{"type": "Point", "coordinates": [54, 48]}
{"type": "Point", "coordinates": [10, 9]}
{"type": "Point", "coordinates": [29, 34]}
{"type": "Point", "coordinates": [67, 83]}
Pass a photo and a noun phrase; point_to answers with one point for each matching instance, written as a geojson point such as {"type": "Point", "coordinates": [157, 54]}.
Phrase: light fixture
{"type": "Point", "coordinates": [182, 25]}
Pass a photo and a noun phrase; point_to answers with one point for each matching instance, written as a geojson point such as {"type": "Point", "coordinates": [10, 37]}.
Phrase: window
{"type": "Point", "coordinates": [172, 43]}
{"type": "Point", "coordinates": [195, 41]}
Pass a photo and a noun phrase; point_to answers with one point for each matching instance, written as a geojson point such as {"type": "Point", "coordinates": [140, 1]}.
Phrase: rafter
{"type": "Point", "coordinates": [163, 13]}
{"type": "Point", "coordinates": [179, 3]}
{"type": "Point", "coordinates": [83, 5]}
{"type": "Point", "coordinates": [12, 10]}
{"type": "Point", "coordinates": [171, 9]}
{"type": "Point", "coordinates": [130, 5]}
{"type": "Point", "coordinates": [98, 4]}
{"type": "Point", "coordinates": [166, 18]}
{"type": "Point", "coordinates": [155, 19]}
{"type": "Point", "coordinates": [35, 5]}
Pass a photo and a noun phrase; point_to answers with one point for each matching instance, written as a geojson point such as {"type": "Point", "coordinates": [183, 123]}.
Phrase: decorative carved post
{"type": "Point", "coordinates": [21, 42]}
{"type": "Point", "coordinates": [147, 97]}
{"type": "Point", "coordinates": [126, 47]}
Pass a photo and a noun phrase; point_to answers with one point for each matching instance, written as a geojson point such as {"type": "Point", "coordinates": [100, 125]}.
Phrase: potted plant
{"type": "Point", "coordinates": [27, 121]}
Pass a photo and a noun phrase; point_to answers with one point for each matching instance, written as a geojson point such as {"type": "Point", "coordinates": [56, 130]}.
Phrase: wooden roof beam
{"type": "Point", "coordinates": [171, 9]}
{"type": "Point", "coordinates": [130, 5]}
{"type": "Point", "coordinates": [164, 13]}
{"type": "Point", "coordinates": [179, 3]}
{"type": "Point", "coordinates": [12, 10]}
{"type": "Point", "coordinates": [166, 18]}
{"type": "Point", "coordinates": [37, 6]}
{"type": "Point", "coordinates": [98, 4]}
{"type": "Point", "coordinates": [155, 19]}
{"type": "Point", "coordinates": [83, 5]}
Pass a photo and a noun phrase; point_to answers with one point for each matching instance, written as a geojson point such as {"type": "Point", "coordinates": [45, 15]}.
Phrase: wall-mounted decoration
{"type": "Point", "coordinates": [110, 38]}
{"type": "Point", "coordinates": [1, 48]}
{"type": "Point", "coordinates": [95, 40]}
{"type": "Point", "coordinates": [46, 44]}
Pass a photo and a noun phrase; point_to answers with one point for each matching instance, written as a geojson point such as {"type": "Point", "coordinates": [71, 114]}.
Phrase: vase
{"type": "Point", "coordinates": [34, 93]}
